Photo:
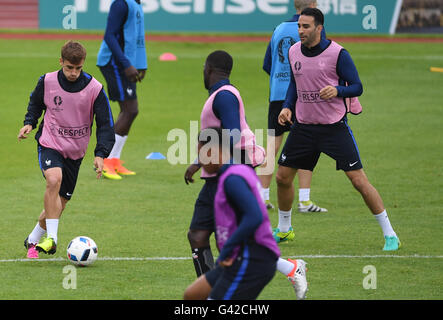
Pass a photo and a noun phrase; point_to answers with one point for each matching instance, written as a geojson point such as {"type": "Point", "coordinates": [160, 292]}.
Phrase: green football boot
{"type": "Point", "coordinates": [283, 236]}
{"type": "Point", "coordinates": [47, 245]}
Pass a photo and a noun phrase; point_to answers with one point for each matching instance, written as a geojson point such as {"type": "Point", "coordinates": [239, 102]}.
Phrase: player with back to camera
{"type": "Point", "coordinates": [70, 99]}
{"type": "Point", "coordinates": [321, 125]}
{"type": "Point", "coordinates": [276, 64]}
{"type": "Point", "coordinates": [248, 252]}
{"type": "Point", "coordinates": [122, 61]}
{"type": "Point", "coordinates": [224, 108]}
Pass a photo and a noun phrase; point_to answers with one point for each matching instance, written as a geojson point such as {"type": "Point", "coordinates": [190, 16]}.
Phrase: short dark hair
{"type": "Point", "coordinates": [73, 51]}
{"type": "Point", "coordinates": [319, 18]}
{"type": "Point", "coordinates": [220, 60]}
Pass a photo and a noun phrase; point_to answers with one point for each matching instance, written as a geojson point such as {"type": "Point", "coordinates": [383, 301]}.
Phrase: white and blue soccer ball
{"type": "Point", "coordinates": [82, 251]}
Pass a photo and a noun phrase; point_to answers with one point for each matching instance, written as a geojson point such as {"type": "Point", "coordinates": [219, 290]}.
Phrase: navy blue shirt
{"type": "Point", "coordinates": [102, 110]}
{"type": "Point", "coordinates": [346, 71]}
{"type": "Point", "coordinates": [246, 208]}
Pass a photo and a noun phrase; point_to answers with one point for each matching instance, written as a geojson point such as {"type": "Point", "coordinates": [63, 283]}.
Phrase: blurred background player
{"type": "Point", "coordinates": [276, 64]}
{"type": "Point", "coordinates": [122, 60]}
{"type": "Point", "coordinates": [224, 107]}
{"type": "Point", "coordinates": [248, 252]}
{"type": "Point", "coordinates": [70, 98]}
{"type": "Point", "coordinates": [317, 66]}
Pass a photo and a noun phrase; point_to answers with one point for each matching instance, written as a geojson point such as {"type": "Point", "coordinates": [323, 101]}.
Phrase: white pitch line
{"type": "Point", "coordinates": [314, 256]}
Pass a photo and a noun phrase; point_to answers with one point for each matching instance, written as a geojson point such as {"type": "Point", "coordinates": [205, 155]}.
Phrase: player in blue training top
{"type": "Point", "coordinates": [276, 64]}
{"type": "Point", "coordinates": [122, 60]}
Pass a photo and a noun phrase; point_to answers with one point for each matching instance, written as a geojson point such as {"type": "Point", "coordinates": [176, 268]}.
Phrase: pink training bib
{"type": "Point", "coordinates": [312, 74]}
{"type": "Point", "coordinates": [247, 142]}
{"type": "Point", "coordinates": [68, 117]}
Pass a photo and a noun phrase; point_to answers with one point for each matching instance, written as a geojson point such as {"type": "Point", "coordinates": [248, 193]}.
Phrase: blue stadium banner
{"type": "Point", "coordinates": [341, 16]}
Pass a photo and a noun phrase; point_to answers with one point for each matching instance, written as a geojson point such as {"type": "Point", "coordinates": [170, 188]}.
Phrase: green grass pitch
{"type": "Point", "coordinates": [399, 135]}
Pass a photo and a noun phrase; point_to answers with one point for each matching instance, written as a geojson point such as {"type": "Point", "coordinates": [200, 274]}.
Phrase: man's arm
{"type": "Point", "coordinates": [227, 108]}
{"type": "Point", "coordinates": [36, 104]}
{"type": "Point", "coordinates": [248, 213]}
{"type": "Point", "coordinates": [105, 126]}
{"type": "Point", "coordinates": [348, 73]}
{"type": "Point", "coordinates": [118, 13]}
{"type": "Point", "coordinates": [267, 62]}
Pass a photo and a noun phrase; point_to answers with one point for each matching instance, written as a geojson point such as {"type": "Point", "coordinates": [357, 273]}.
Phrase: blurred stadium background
{"type": "Point", "coordinates": [243, 15]}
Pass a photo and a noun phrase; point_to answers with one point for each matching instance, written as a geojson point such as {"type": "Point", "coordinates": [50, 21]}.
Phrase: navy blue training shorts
{"type": "Point", "coordinates": [50, 158]}
{"type": "Point", "coordinates": [119, 86]}
{"type": "Point", "coordinates": [305, 142]}
{"type": "Point", "coordinates": [203, 217]}
{"type": "Point", "coordinates": [252, 270]}
{"type": "Point", "coordinates": [273, 113]}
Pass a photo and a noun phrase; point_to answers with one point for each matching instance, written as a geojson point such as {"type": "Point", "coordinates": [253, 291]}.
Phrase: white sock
{"type": "Point", "coordinates": [284, 266]}
{"type": "Point", "coordinates": [265, 192]}
{"type": "Point", "coordinates": [118, 146]}
{"type": "Point", "coordinates": [303, 194]}
{"type": "Point", "coordinates": [52, 228]}
{"type": "Point", "coordinates": [36, 234]}
{"type": "Point", "coordinates": [284, 220]}
{"type": "Point", "coordinates": [384, 223]}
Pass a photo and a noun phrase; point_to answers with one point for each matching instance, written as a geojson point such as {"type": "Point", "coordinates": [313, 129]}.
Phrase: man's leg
{"type": "Point", "coordinates": [272, 148]}
{"type": "Point", "coordinates": [54, 205]}
{"type": "Point", "coordinates": [201, 228]}
{"type": "Point", "coordinates": [375, 203]}
{"type": "Point", "coordinates": [201, 251]}
{"type": "Point", "coordinates": [113, 164]}
{"type": "Point", "coordinates": [285, 187]}
{"type": "Point", "coordinates": [127, 115]}
{"type": "Point", "coordinates": [198, 290]}
{"type": "Point", "coordinates": [304, 189]}
{"type": "Point", "coordinates": [285, 194]}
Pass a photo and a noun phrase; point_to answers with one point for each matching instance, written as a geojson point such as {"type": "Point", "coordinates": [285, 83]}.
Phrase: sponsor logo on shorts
{"type": "Point", "coordinates": [353, 164]}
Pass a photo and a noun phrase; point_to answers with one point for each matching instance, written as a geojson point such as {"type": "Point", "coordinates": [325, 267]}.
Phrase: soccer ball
{"type": "Point", "coordinates": [82, 251]}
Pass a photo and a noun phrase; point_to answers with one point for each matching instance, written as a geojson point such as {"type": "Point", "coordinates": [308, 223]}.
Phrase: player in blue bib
{"type": "Point", "coordinates": [122, 60]}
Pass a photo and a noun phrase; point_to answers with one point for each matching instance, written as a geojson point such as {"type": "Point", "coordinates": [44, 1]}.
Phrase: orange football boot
{"type": "Point", "coordinates": [118, 165]}
{"type": "Point", "coordinates": [109, 169]}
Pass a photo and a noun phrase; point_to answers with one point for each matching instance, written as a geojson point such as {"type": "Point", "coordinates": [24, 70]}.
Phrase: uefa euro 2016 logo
{"type": "Point", "coordinates": [283, 49]}
{"type": "Point", "coordinates": [58, 100]}
{"type": "Point", "coordinates": [297, 65]}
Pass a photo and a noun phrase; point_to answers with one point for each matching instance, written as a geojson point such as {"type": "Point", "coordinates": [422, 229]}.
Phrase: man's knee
{"type": "Point", "coordinates": [283, 178]}
{"type": "Point", "coordinates": [130, 108]}
{"type": "Point", "coordinates": [359, 181]}
{"type": "Point", "coordinates": [198, 238]}
{"type": "Point", "coordinates": [53, 180]}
